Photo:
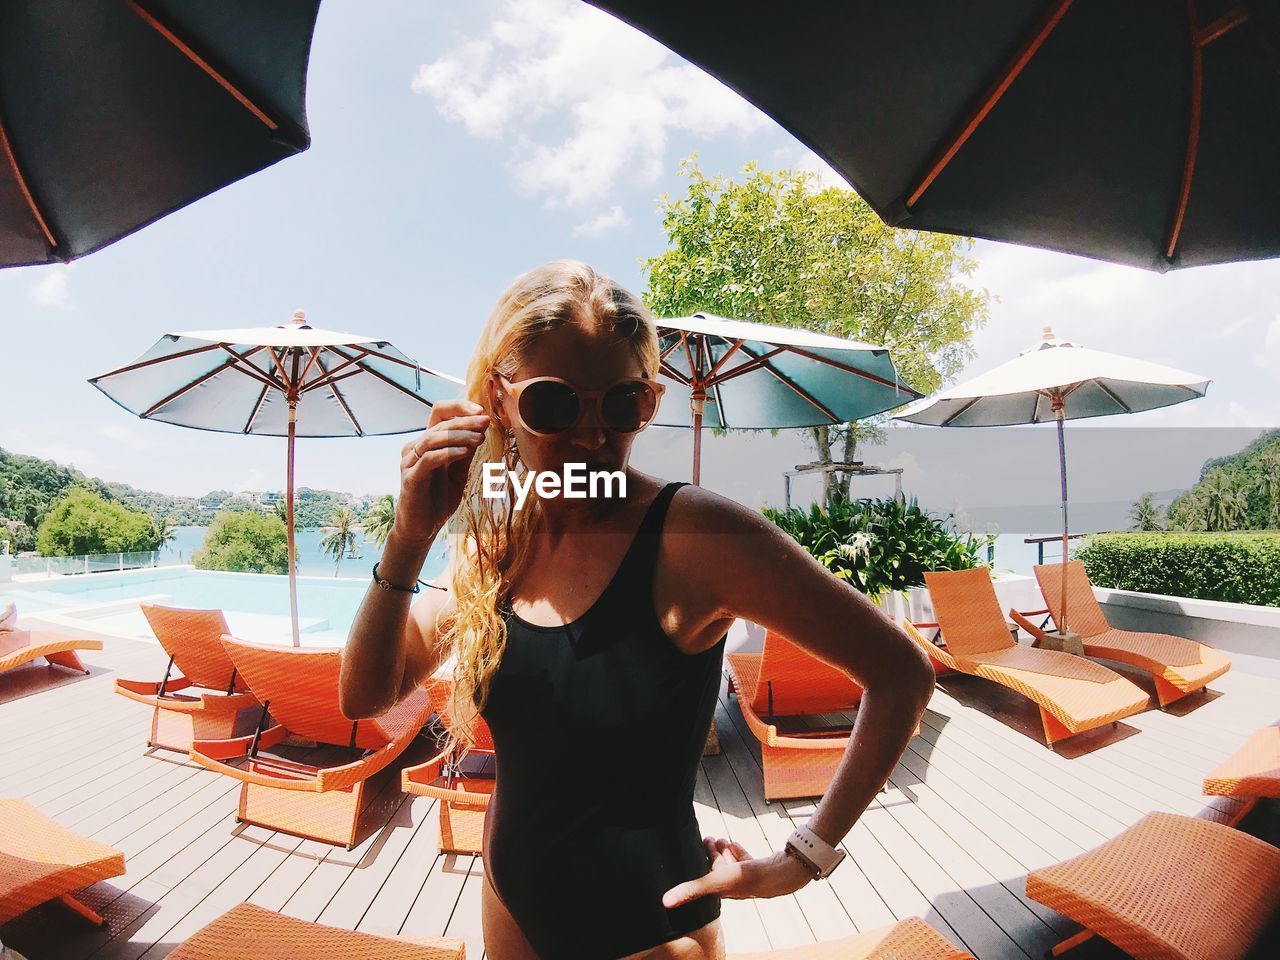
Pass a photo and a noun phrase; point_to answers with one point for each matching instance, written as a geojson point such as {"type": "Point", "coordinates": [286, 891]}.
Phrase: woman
{"type": "Point", "coordinates": [588, 633]}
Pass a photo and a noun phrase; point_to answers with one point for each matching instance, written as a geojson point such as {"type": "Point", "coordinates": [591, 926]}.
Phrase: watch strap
{"type": "Point", "coordinates": [815, 850]}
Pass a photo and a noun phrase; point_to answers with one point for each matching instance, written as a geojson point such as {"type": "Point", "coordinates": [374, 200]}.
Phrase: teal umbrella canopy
{"type": "Point", "coordinates": [734, 374]}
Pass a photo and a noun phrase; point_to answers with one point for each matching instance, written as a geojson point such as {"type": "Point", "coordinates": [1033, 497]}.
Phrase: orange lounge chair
{"type": "Point", "coordinates": [1179, 666]}
{"type": "Point", "coordinates": [784, 680]}
{"type": "Point", "coordinates": [1170, 887]}
{"type": "Point", "coordinates": [250, 931]}
{"type": "Point", "coordinates": [463, 798]}
{"type": "Point", "coordinates": [1073, 694]}
{"type": "Point", "coordinates": [22, 646]}
{"type": "Point", "coordinates": [300, 689]}
{"type": "Point", "coordinates": [1252, 772]}
{"type": "Point", "coordinates": [42, 861]}
{"type": "Point", "coordinates": [910, 939]}
{"type": "Point", "coordinates": [193, 641]}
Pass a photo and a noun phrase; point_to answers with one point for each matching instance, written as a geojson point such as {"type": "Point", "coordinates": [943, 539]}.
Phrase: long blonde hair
{"type": "Point", "coordinates": [490, 538]}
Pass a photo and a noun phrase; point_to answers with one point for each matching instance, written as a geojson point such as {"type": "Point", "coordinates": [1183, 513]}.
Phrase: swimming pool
{"type": "Point", "coordinates": [256, 605]}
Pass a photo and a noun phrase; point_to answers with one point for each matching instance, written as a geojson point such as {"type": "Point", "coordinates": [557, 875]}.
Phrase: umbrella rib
{"type": "Point", "coordinates": [26, 190]}
{"type": "Point", "coordinates": [711, 374]}
{"type": "Point", "coordinates": [951, 418]}
{"type": "Point", "coordinates": [896, 384]}
{"type": "Point", "coordinates": [673, 373]}
{"type": "Point", "coordinates": [186, 388]}
{"type": "Point", "coordinates": [387, 380]}
{"type": "Point", "coordinates": [170, 356]}
{"type": "Point", "coordinates": [287, 382]}
{"type": "Point", "coordinates": [328, 376]}
{"type": "Point", "coordinates": [803, 394]}
{"type": "Point", "coordinates": [249, 370]}
{"type": "Point", "coordinates": [1193, 133]}
{"type": "Point", "coordinates": [257, 408]}
{"type": "Point", "coordinates": [412, 365]}
{"type": "Point", "coordinates": [1053, 15]}
{"type": "Point", "coordinates": [337, 395]}
{"type": "Point", "coordinates": [755, 363]}
{"type": "Point", "coordinates": [715, 388]}
{"type": "Point", "coordinates": [202, 63]}
{"type": "Point", "coordinates": [1110, 393]}
{"type": "Point", "coordinates": [694, 379]}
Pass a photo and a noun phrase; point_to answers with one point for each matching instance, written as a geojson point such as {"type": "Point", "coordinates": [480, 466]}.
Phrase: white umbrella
{"type": "Point", "coordinates": [291, 380]}
{"type": "Point", "coordinates": [1057, 380]}
{"type": "Point", "coordinates": [743, 375]}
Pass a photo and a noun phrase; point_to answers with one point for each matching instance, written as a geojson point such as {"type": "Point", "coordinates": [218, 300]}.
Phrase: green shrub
{"type": "Point", "coordinates": [84, 522]}
{"type": "Point", "coordinates": [880, 545]}
{"type": "Point", "coordinates": [244, 543]}
{"type": "Point", "coordinates": [1235, 567]}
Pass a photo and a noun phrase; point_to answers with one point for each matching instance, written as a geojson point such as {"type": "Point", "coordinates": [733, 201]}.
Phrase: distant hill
{"type": "Point", "coordinates": [1251, 474]}
{"type": "Point", "coordinates": [29, 486]}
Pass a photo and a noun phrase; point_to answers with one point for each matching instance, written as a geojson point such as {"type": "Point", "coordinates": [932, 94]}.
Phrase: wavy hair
{"type": "Point", "coordinates": [490, 537]}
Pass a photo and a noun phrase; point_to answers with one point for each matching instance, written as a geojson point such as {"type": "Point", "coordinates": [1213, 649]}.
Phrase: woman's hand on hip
{"type": "Point", "coordinates": [433, 468]}
{"type": "Point", "coordinates": [737, 875]}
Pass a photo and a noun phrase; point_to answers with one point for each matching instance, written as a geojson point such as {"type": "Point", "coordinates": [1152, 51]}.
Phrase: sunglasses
{"type": "Point", "coordinates": [546, 406]}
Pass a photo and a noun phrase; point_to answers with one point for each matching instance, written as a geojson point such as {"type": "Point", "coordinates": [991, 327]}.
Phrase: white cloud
{"type": "Point", "coordinates": [602, 223]}
{"type": "Point", "coordinates": [51, 291]}
{"type": "Point", "coordinates": [585, 98]}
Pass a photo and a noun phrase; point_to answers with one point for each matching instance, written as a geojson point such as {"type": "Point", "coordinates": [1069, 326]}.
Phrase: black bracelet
{"type": "Point", "coordinates": [388, 585]}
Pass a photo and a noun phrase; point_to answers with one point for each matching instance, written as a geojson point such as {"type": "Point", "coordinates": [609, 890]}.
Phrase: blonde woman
{"type": "Point", "coordinates": [588, 633]}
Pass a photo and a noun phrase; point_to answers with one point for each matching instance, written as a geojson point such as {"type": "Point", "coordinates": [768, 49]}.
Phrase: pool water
{"type": "Point", "coordinates": [256, 605]}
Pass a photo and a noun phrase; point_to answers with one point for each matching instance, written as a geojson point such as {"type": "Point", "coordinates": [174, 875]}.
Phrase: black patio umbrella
{"type": "Point", "coordinates": [114, 113]}
{"type": "Point", "coordinates": [1144, 132]}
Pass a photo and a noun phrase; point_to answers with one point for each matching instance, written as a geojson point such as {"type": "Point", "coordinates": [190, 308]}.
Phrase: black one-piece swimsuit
{"type": "Point", "coordinates": [598, 726]}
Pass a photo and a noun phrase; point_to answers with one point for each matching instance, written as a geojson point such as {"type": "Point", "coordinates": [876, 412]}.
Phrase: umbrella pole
{"type": "Point", "coordinates": [293, 574]}
{"type": "Point", "coordinates": [1062, 468]}
{"type": "Point", "coordinates": [695, 404]}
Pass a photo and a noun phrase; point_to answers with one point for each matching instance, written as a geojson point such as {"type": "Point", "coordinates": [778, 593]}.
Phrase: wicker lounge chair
{"type": "Point", "coordinates": [1073, 694]}
{"type": "Point", "coordinates": [22, 646]}
{"type": "Point", "coordinates": [1251, 773]}
{"type": "Point", "coordinates": [203, 702]}
{"type": "Point", "coordinates": [784, 680]}
{"type": "Point", "coordinates": [462, 798]}
{"type": "Point", "coordinates": [1170, 887]}
{"type": "Point", "coordinates": [910, 939]}
{"type": "Point", "coordinates": [300, 689]}
{"type": "Point", "coordinates": [42, 861]}
{"type": "Point", "coordinates": [250, 931]}
{"type": "Point", "coordinates": [1177, 665]}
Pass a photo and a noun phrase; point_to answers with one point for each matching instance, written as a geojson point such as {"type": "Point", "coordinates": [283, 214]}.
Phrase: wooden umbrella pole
{"type": "Point", "coordinates": [293, 573]}
{"type": "Point", "coordinates": [695, 405]}
{"type": "Point", "coordinates": [1062, 467]}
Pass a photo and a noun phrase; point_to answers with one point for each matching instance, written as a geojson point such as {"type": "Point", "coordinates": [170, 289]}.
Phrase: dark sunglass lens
{"type": "Point", "coordinates": [628, 406]}
{"type": "Point", "coordinates": [548, 406]}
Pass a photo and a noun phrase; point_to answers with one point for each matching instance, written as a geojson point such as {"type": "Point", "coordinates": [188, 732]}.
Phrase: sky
{"type": "Point", "coordinates": [455, 146]}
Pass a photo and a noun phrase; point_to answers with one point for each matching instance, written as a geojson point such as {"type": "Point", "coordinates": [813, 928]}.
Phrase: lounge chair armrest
{"type": "Point", "coordinates": [1022, 620]}
{"type": "Point", "coordinates": [236, 746]}
{"type": "Point", "coordinates": [423, 773]}
{"type": "Point", "coordinates": [339, 778]}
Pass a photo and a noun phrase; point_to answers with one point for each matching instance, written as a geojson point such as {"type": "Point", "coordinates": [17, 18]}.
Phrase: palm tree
{"type": "Point", "coordinates": [163, 531]}
{"type": "Point", "coordinates": [1145, 514]}
{"type": "Point", "coordinates": [380, 518]}
{"type": "Point", "coordinates": [1269, 485]}
{"type": "Point", "coordinates": [342, 537]}
{"type": "Point", "coordinates": [1225, 503]}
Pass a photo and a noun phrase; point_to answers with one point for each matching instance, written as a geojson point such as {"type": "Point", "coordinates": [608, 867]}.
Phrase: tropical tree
{"type": "Point", "coordinates": [85, 522]}
{"type": "Point", "coordinates": [164, 531]}
{"type": "Point", "coordinates": [778, 248]}
{"type": "Point", "coordinates": [342, 537]}
{"type": "Point", "coordinates": [245, 543]}
{"type": "Point", "coordinates": [1223, 500]}
{"type": "Point", "coordinates": [1269, 485]}
{"type": "Point", "coordinates": [380, 518]}
{"type": "Point", "coordinates": [1145, 514]}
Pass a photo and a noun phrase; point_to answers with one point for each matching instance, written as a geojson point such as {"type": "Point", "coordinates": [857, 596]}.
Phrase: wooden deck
{"type": "Point", "coordinates": [976, 801]}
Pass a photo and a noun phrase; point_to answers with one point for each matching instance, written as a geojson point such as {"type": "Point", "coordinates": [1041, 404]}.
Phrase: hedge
{"type": "Point", "coordinates": [1235, 567]}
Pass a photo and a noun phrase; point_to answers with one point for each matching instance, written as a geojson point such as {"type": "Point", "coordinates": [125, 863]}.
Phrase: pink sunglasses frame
{"type": "Point", "coordinates": [517, 387]}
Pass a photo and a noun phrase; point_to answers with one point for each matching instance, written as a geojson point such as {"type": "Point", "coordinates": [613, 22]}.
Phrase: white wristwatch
{"type": "Point", "coordinates": [814, 850]}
